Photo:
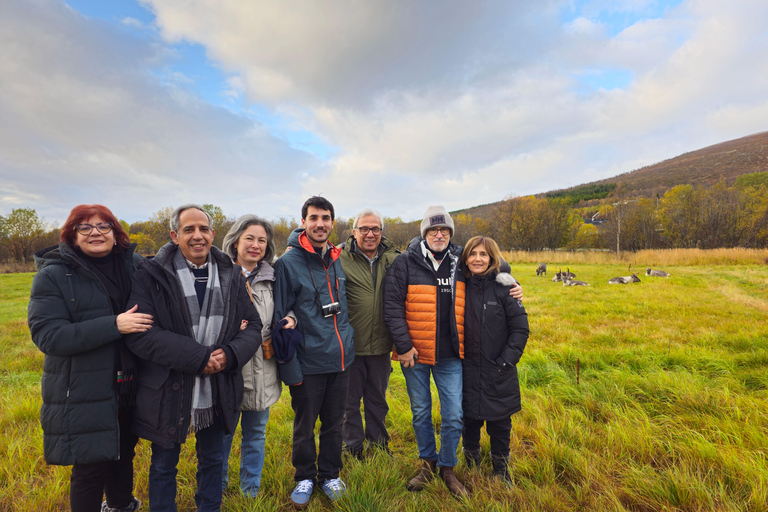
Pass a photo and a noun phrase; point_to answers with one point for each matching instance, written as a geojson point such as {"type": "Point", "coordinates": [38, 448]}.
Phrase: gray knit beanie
{"type": "Point", "coordinates": [436, 217]}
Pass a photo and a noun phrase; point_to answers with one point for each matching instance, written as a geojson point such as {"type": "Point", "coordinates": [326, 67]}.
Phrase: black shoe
{"type": "Point", "coordinates": [132, 507]}
{"type": "Point", "coordinates": [357, 454]}
{"type": "Point", "coordinates": [472, 457]}
{"type": "Point", "coordinates": [501, 469]}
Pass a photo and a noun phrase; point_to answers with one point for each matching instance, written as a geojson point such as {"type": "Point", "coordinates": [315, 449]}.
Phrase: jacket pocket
{"type": "Point", "coordinates": [149, 395]}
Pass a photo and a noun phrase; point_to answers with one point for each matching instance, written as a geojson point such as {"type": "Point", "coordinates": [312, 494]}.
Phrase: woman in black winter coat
{"type": "Point", "coordinates": [495, 334]}
{"type": "Point", "coordinates": [77, 316]}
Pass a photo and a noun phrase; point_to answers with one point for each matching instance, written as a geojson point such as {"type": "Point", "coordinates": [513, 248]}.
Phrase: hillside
{"type": "Point", "coordinates": [724, 161]}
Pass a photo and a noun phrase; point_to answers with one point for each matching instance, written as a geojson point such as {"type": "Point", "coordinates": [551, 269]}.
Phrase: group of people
{"type": "Point", "coordinates": [197, 339]}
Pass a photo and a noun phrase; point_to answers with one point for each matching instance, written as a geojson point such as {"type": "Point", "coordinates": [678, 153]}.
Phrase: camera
{"type": "Point", "coordinates": [331, 309]}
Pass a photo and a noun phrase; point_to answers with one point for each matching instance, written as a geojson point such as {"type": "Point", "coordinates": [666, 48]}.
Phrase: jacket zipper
{"type": "Point", "coordinates": [335, 323]}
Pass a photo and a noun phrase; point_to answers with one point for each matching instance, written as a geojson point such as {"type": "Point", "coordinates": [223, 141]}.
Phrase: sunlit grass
{"type": "Point", "coordinates": [641, 260]}
{"type": "Point", "coordinates": [670, 411]}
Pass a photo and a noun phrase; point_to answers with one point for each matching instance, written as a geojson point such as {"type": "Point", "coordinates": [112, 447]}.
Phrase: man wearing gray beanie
{"type": "Point", "coordinates": [424, 311]}
{"type": "Point", "coordinates": [436, 217]}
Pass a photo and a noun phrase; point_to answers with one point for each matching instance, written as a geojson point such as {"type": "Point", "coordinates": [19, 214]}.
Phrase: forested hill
{"type": "Point", "coordinates": [721, 162]}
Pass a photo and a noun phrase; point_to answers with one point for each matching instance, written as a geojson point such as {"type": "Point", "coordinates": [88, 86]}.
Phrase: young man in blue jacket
{"type": "Point", "coordinates": [310, 281]}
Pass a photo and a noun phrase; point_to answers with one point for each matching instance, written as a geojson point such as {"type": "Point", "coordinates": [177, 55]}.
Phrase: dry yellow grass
{"type": "Point", "coordinates": [643, 259]}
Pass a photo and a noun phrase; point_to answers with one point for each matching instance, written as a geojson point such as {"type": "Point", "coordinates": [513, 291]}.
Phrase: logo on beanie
{"type": "Point", "coordinates": [437, 219]}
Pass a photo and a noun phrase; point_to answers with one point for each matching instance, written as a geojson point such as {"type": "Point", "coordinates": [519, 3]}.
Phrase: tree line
{"type": "Point", "coordinates": [685, 216]}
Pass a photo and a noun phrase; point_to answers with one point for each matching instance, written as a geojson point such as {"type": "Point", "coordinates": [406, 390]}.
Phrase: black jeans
{"type": "Point", "coordinates": [368, 380]}
{"type": "Point", "coordinates": [90, 482]}
{"type": "Point", "coordinates": [498, 431]}
{"type": "Point", "coordinates": [318, 396]}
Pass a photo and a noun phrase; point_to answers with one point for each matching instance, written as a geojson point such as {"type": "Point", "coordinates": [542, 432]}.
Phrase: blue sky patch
{"type": "Point", "coordinates": [617, 18]}
{"type": "Point", "coordinates": [591, 80]}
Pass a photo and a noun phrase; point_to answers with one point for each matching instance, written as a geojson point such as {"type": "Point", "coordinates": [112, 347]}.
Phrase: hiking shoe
{"type": "Point", "coordinates": [424, 476]}
{"type": "Point", "coordinates": [301, 494]}
{"type": "Point", "coordinates": [454, 485]}
{"type": "Point", "coordinates": [132, 507]}
{"type": "Point", "coordinates": [335, 489]}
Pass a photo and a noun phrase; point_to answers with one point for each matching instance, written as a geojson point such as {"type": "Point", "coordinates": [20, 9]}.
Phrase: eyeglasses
{"type": "Point", "coordinates": [365, 230]}
{"type": "Point", "coordinates": [442, 231]}
{"type": "Point", "coordinates": [102, 227]}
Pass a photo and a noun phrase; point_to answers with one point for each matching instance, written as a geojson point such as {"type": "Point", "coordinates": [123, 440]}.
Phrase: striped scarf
{"type": "Point", "coordinates": [206, 325]}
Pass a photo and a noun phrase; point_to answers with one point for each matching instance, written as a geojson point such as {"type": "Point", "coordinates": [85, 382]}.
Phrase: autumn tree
{"type": "Point", "coordinates": [638, 223]}
{"type": "Point", "coordinates": [283, 228]}
{"type": "Point", "coordinates": [158, 228]}
{"type": "Point", "coordinates": [400, 233]}
{"type": "Point", "coordinates": [679, 216]}
{"type": "Point", "coordinates": [21, 231]}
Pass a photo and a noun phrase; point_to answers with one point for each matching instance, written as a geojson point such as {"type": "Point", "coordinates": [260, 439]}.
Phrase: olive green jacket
{"type": "Point", "coordinates": [365, 298]}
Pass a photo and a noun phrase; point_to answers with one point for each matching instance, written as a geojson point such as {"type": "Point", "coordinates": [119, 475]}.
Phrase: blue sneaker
{"type": "Point", "coordinates": [335, 489]}
{"type": "Point", "coordinates": [301, 494]}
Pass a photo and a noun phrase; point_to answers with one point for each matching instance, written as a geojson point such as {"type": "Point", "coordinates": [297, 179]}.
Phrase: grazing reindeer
{"type": "Point", "coordinates": [561, 276]}
{"type": "Point", "coordinates": [568, 279]}
{"type": "Point", "coordinates": [542, 269]}
{"type": "Point", "coordinates": [626, 279]}
{"type": "Point", "coordinates": [656, 273]}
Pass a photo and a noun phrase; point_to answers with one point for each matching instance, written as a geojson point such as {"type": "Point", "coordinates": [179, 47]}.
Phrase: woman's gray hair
{"type": "Point", "coordinates": [176, 215]}
{"type": "Point", "coordinates": [367, 212]}
{"type": "Point", "coordinates": [237, 229]}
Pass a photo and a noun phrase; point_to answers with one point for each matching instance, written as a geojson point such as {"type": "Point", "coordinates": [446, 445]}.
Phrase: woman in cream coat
{"type": "Point", "coordinates": [250, 243]}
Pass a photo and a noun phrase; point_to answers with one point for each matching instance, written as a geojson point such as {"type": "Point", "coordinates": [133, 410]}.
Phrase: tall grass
{"type": "Point", "coordinates": [13, 267]}
{"type": "Point", "coordinates": [669, 412]}
{"type": "Point", "coordinates": [643, 259]}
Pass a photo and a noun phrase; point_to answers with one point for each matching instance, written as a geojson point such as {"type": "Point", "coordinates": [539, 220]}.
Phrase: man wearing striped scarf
{"type": "Point", "coordinates": [188, 378]}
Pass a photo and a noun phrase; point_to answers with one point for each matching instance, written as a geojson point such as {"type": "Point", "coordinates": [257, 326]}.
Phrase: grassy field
{"type": "Point", "coordinates": [670, 411]}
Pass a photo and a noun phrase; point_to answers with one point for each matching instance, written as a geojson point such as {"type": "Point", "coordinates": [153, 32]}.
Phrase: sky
{"type": "Point", "coordinates": [255, 105]}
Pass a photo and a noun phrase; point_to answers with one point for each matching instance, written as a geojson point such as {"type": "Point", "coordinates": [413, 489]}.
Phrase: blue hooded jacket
{"type": "Point", "coordinates": [304, 282]}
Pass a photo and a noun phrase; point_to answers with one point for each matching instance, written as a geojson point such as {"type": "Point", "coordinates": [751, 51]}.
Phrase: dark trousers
{"type": "Point", "coordinates": [162, 471]}
{"type": "Point", "coordinates": [368, 380]}
{"type": "Point", "coordinates": [90, 482]}
{"type": "Point", "coordinates": [498, 431]}
{"type": "Point", "coordinates": [318, 396]}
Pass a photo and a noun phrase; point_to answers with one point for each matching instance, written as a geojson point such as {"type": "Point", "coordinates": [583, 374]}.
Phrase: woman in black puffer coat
{"type": "Point", "coordinates": [77, 316]}
{"type": "Point", "coordinates": [495, 334]}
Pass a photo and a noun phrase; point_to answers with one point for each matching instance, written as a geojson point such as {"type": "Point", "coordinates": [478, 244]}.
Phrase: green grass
{"type": "Point", "coordinates": [669, 413]}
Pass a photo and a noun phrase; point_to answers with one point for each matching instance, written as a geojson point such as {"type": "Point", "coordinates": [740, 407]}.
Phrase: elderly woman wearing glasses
{"type": "Point", "coordinates": [78, 314]}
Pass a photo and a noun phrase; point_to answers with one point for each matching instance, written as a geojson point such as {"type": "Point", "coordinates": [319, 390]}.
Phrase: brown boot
{"type": "Point", "coordinates": [453, 484]}
{"type": "Point", "coordinates": [424, 476]}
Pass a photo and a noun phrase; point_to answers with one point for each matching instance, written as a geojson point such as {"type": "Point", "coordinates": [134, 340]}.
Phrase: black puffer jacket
{"type": "Point", "coordinates": [71, 320]}
{"type": "Point", "coordinates": [496, 331]}
{"type": "Point", "coordinates": [170, 357]}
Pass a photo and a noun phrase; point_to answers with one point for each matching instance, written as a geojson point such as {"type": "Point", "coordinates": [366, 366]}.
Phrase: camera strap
{"type": "Point", "coordinates": [314, 284]}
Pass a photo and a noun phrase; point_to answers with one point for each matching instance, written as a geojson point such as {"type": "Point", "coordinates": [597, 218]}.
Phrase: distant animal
{"type": "Point", "coordinates": [572, 282]}
{"type": "Point", "coordinates": [560, 275]}
{"type": "Point", "coordinates": [568, 279]}
{"type": "Point", "coordinates": [656, 273]}
{"type": "Point", "coordinates": [626, 279]}
{"type": "Point", "coordinates": [542, 269]}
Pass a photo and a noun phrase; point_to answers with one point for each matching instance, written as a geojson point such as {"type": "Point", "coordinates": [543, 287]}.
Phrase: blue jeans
{"type": "Point", "coordinates": [162, 472]}
{"type": "Point", "coordinates": [448, 379]}
{"type": "Point", "coordinates": [254, 428]}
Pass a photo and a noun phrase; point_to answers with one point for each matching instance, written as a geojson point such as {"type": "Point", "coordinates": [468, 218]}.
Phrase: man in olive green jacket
{"type": "Point", "coordinates": [365, 259]}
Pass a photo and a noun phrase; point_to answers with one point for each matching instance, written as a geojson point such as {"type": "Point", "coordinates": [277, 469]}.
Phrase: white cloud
{"type": "Point", "coordinates": [460, 103]}
{"type": "Point", "coordinates": [85, 121]}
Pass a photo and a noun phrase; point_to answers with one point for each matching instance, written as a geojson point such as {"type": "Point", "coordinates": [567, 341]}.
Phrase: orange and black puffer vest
{"type": "Point", "coordinates": [412, 277]}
